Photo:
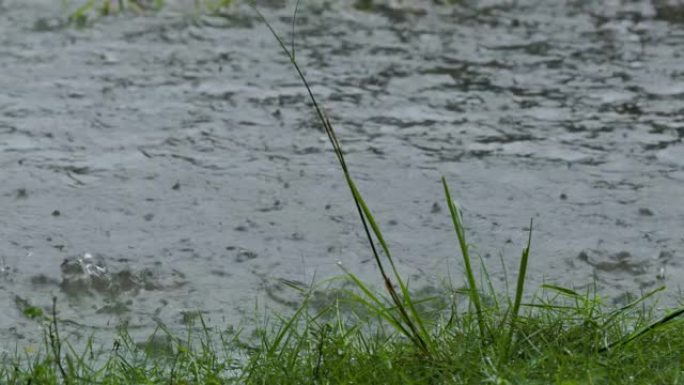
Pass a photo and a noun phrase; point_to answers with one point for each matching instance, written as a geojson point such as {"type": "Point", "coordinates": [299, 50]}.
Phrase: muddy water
{"type": "Point", "coordinates": [157, 165]}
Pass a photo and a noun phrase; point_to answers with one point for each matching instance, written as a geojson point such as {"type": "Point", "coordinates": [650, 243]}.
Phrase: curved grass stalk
{"type": "Point", "coordinates": [412, 324]}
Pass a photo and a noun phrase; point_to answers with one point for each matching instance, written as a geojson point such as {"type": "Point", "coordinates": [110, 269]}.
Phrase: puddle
{"type": "Point", "coordinates": [180, 151]}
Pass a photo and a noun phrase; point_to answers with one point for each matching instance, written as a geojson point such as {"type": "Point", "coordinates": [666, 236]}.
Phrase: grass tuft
{"type": "Point", "coordinates": [83, 13]}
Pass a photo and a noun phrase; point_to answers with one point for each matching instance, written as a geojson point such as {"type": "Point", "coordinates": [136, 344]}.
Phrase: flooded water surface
{"type": "Point", "coordinates": [157, 165]}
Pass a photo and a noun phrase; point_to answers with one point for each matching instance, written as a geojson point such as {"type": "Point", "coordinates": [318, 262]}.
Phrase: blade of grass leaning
{"type": "Point", "coordinates": [460, 233]}
{"type": "Point", "coordinates": [519, 288]}
{"type": "Point", "coordinates": [412, 321]}
{"type": "Point", "coordinates": [631, 305]}
{"type": "Point", "coordinates": [422, 334]}
{"type": "Point", "coordinates": [379, 308]}
{"type": "Point", "coordinates": [285, 329]}
{"type": "Point", "coordinates": [564, 291]}
{"type": "Point", "coordinates": [663, 321]}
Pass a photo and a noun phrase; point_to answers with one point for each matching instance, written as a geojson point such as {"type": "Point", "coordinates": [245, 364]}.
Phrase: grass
{"type": "Point", "coordinates": [365, 336]}
{"type": "Point", "coordinates": [560, 337]}
{"type": "Point", "coordinates": [82, 13]}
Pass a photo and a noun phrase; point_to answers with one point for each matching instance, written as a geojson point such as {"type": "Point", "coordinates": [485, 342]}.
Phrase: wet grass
{"type": "Point", "coordinates": [81, 13]}
{"type": "Point", "coordinates": [559, 337]}
{"type": "Point", "coordinates": [392, 336]}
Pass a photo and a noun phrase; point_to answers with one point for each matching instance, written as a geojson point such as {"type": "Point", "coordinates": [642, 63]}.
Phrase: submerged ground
{"type": "Point", "coordinates": [181, 153]}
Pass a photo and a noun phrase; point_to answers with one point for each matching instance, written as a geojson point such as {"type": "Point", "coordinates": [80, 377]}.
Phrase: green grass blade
{"type": "Point", "coordinates": [286, 329]}
{"type": "Point", "coordinates": [652, 327]}
{"type": "Point", "coordinates": [379, 308]}
{"type": "Point", "coordinates": [519, 289]}
{"type": "Point", "coordinates": [470, 276]}
{"type": "Point", "coordinates": [632, 304]}
{"type": "Point", "coordinates": [522, 274]}
{"type": "Point", "coordinates": [563, 291]}
{"type": "Point", "coordinates": [404, 304]}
